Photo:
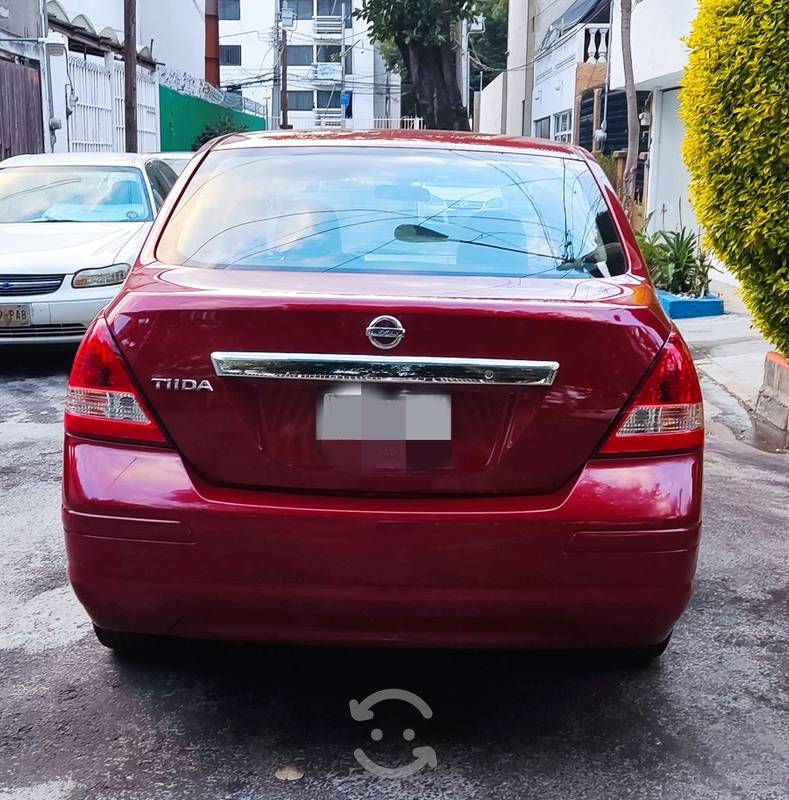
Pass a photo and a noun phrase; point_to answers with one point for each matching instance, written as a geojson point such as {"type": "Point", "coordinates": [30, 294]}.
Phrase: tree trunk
{"type": "Point", "coordinates": [436, 91]}
{"type": "Point", "coordinates": [633, 126]}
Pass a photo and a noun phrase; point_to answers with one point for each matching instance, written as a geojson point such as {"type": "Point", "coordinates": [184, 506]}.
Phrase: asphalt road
{"type": "Point", "coordinates": [212, 721]}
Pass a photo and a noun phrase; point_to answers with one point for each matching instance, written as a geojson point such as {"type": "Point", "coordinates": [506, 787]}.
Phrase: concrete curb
{"type": "Point", "coordinates": [772, 404]}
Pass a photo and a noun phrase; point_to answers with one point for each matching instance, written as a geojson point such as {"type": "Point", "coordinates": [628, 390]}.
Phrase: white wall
{"type": "Point", "coordinates": [176, 27]}
{"type": "Point", "coordinates": [659, 54]}
{"type": "Point", "coordinates": [490, 106]}
{"type": "Point", "coordinates": [516, 81]}
{"type": "Point", "coordinates": [667, 193]}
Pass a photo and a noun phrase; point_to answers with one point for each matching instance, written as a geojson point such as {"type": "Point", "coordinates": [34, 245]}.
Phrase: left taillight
{"type": "Point", "coordinates": [101, 399]}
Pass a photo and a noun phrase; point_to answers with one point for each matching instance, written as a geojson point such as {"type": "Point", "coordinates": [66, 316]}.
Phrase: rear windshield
{"type": "Point", "coordinates": [73, 194]}
{"type": "Point", "coordinates": [393, 210]}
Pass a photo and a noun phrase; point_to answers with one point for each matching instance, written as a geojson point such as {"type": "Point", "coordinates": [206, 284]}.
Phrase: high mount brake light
{"type": "Point", "coordinates": [101, 400]}
{"type": "Point", "coordinates": [667, 413]}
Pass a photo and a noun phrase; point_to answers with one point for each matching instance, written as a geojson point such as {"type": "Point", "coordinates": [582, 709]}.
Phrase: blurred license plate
{"type": "Point", "coordinates": [365, 413]}
{"type": "Point", "coordinates": [14, 316]}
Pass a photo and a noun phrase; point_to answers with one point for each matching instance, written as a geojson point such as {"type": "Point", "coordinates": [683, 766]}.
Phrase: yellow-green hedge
{"type": "Point", "coordinates": [735, 105]}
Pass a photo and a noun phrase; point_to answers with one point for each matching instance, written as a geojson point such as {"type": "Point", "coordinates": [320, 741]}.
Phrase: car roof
{"type": "Point", "coordinates": [79, 159]}
{"type": "Point", "coordinates": [444, 140]}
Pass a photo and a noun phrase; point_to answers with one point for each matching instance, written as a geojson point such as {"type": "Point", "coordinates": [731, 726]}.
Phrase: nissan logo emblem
{"type": "Point", "coordinates": [385, 332]}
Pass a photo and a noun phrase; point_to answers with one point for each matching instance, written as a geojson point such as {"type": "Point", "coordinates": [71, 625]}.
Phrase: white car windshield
{"type": "Point", "coordinates": [49, 193]}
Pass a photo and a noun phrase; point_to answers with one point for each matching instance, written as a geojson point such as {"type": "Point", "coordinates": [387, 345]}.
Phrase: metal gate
{"type": "Point", "coordinates": [21, 121]}
{"type": "Point", "coordinates": [97, 122]}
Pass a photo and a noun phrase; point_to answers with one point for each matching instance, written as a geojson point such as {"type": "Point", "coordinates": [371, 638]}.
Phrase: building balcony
{"type": "Point", "coordinates": [329, 118]}
{"type": "Point", "coordinates": [593, 43]}
{"type": "Point", "coordinates": [328, 28]}
{"type": "Point", "coordinates": [326, 73]}
{"type": "Point", "coordinates": [556, 65]}
{"type": "Point", "coordinates": [583, 44]}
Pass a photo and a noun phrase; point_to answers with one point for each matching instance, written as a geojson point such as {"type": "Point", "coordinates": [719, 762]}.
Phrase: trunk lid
{"type": "Point", "coordinates": [264, 433]}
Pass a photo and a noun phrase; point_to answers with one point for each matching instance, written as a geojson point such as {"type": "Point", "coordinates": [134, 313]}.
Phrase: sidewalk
{"type": "Point", "coordinates": [729, 352]}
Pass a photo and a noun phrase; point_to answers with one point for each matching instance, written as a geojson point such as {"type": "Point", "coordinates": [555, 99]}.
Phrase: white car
{"type": "Point", "coordinates": [70, 226]}
{"type": "Point", "coordinates": [176, 160]}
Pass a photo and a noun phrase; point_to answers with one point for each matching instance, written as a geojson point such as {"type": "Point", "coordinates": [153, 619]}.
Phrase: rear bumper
{"type": "Point", "coordinates": [607, 562]}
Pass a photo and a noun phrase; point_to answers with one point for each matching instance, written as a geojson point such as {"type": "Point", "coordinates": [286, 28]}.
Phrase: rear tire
{"type": "Point", "coordinates": [644, 656]}
{"type": "Point", "coordinates": [126, 645]}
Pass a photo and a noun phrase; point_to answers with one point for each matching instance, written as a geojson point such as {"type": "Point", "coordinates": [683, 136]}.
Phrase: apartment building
{"type": "Point", "coordinates": [336, 76]}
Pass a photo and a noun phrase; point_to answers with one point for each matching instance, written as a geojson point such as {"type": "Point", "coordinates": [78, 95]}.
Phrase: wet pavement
{"type": "Point", "coordinates": [710, 721]}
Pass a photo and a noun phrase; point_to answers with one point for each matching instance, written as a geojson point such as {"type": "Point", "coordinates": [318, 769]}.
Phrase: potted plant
{"type": "Point", "coordinates": [680, 270]}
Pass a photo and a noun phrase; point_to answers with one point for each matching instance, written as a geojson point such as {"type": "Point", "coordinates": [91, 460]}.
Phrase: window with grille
{"type": "Point", "coordinates": [542, 128]}
{"type": "Point", "coordinates": [328, 53]}
{"type": "Point", "coordinates": [563, 126]}
{"type": "Point", "coordinates": [299, 55]}
{"type": "Point", "coordinates": [329, 99]}
{"type": "Point", "coordinates": [333, 8]}
{"type": "Point", "coordinates": [230, 55]}
{"type": "Point", "coordinates": [303, 8]}
{"type": "Point", "coordinates": [229, 9]}
{"type": "Point", "coordinates": [300, 101]}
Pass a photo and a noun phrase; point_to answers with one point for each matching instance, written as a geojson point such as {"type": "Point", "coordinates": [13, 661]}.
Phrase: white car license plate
{"type": "Point", "coordinates": [15, 316]}
{"type": "Point", "coordinates": [359, 412]}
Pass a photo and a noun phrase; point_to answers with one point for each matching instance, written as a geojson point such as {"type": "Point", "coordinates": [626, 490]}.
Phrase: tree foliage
{"type": "Point", "coordinates": [424, 32]}
{"type": "Point", "coordinates": [734, 105]}
{"type": "Point", "coordinates": [489, 49]}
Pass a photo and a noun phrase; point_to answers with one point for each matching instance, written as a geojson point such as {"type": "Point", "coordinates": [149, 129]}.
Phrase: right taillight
{"type": "Point", "coordinates": [101, 399]}
{"type": "Point", "coordinates": [667, 412]}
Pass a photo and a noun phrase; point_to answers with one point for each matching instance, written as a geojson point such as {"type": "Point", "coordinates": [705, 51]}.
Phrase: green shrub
{"type": "Point", "coordinates": [734, 105]}
{"type": "Point", "coordinates": [221, 126]}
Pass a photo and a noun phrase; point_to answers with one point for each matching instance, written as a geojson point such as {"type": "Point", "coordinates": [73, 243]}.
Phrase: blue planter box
{"type": "Point", "coordinates": [688, 307]}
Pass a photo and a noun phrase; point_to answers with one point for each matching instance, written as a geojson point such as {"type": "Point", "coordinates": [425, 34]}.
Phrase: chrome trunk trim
{"type": "Point", "coordinates": [372, 369]}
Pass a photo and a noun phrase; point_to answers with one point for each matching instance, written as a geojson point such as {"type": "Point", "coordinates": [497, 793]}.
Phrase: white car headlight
{"type": "Point", "coordinates": [103, 276]}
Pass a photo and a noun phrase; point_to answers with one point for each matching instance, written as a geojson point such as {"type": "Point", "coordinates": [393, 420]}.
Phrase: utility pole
{"type": "Point", "coordinates": [212, 72]}
{"type": "Point", "coordinates": [342, 69]}
{"type": "Point", "coordinates": [633, 128]}
{"type": "Point", "coordinates": [283, 98]}
{"type": "Point", "coordinates": [130, 73]}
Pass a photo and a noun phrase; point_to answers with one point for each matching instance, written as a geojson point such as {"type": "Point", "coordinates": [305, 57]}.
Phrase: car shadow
{"type": "Point", "coordinates": [36, 361]}
{"type": "Point", "coordinates": [498, 706]}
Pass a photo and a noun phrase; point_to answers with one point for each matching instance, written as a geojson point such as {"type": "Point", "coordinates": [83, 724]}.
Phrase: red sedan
{"type": "Point", "coordinates": [386, 388]}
